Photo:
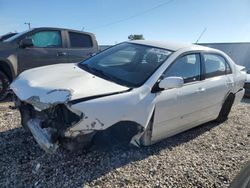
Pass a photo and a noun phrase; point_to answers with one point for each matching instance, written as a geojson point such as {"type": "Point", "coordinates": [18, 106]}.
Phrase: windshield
{"type": "Point", "coordinates": [16, 36]}
{"type": "Point", "coordinates": [127, 63]}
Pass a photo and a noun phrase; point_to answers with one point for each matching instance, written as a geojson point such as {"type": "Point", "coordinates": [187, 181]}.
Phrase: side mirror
{"type": "Point", "coordinates": [171, 82]}
{"type": "Point", "coordinates": [27, 42]}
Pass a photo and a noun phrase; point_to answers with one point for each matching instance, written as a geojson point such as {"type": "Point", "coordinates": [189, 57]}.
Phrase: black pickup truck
{"type": "Point", "coordinates": [39, 47]}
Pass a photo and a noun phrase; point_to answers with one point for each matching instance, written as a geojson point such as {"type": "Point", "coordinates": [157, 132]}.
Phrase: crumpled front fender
{"type": "Point", "coordinates": [104, 112]}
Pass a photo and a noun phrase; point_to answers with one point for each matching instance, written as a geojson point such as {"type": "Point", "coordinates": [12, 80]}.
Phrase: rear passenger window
{"type": "Point", "coordinates": [228, 69]}
{"type": "Point", "coordinates": [215, 65]}
{"type": "Point", "coordinates": [78, 40]}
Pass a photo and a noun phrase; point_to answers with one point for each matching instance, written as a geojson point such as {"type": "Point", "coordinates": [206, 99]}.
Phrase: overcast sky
{"type": "Point", "coordinates": [113, 20]}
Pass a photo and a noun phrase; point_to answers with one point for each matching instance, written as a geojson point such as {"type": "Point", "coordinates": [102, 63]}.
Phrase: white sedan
{"type": "Point", "coordinates": [137, 92]}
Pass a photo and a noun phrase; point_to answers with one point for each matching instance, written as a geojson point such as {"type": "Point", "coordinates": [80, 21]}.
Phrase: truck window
{"type": "Point", "coordinates": [78, 40]}
{"type": "Point", "coordinates": [47, 39]}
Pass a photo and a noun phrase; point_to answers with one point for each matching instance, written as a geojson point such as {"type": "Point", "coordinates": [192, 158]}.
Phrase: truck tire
{"type": "Point", "coordinates": [4, 85]}
{"type": "Point", "coordinates": [226, 108]}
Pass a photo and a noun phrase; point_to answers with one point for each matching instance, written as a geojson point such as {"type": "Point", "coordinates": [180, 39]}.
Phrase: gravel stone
{"type": "Point", "coordinates": [207, 156]}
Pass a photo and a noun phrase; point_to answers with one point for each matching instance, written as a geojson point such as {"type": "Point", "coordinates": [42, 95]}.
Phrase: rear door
{"type": "Point", "coordinates": [219, 80]}
{"type": "Point", "coordinates": [48, 48]}
{"type": "Point", "coordinates": [80, 46]}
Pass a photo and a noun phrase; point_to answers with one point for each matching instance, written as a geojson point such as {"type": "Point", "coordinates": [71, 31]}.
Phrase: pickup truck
{"type": "Point", "coordinates": [6, 36]}
{"type": "Point", "coordinates": [40, 47]}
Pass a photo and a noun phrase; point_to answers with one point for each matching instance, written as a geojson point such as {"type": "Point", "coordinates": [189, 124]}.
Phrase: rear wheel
{"type": "Point", "coordinates": [4, 85]}
{"type": "Point", "coordinates": [226, 108]}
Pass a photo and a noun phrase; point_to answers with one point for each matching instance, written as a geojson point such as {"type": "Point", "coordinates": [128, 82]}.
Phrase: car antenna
{"type": "Point", "coordinates": [202, 33]}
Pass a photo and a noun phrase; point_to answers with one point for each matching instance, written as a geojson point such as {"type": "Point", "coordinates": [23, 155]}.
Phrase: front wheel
{"type": "Point", "coordinates": [4, 85]}
{"type": "Point", "coordinates": [226, 108]}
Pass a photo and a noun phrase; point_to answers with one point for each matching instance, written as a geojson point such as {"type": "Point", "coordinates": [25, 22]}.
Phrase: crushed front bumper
{"type": "Point", "coordinates": [49, 127]}
{"type": "Point", "coordinates": [43, 136]}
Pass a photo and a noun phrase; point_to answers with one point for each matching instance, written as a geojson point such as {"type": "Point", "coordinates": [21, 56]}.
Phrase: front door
{"type": "Point", "coordinates": [47, 49]}
{"type": "Point", "coordinates": [180, 108]}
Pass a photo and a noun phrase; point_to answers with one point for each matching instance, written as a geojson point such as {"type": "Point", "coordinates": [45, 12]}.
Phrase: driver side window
{"type": "Point", "coordinates": [188, 67]}
{"type": "Point", "coordinates": [47, 39]}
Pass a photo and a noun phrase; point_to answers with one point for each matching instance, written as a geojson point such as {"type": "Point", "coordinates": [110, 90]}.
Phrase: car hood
{"type": "Point", "coordinates": [56, 84]}
{"type": "Point", "coordinates": [7, 46]}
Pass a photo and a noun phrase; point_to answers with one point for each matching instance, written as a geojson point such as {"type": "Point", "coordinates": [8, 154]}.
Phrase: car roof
{"type": "Point", "coordinates": [173, 46]}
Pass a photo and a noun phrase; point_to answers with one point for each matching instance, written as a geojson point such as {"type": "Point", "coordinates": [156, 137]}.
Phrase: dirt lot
{"type": "Point", "coordinates": [207, 156]}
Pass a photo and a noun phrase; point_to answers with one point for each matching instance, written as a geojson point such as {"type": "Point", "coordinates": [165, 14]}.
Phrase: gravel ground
{"type": "Point", "coordinates": [207, 156]}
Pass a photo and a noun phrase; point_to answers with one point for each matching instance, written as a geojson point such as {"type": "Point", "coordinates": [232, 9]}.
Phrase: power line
{"type": "Point", "coordinates": [131, 17]}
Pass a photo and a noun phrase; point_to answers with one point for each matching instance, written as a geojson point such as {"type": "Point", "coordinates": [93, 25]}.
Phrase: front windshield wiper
{"type": "Point", "coordinates": [84, 67]}
{"type": "Point", "coordinates": [97, 72]}
{"type": "Point", "coordinates": [103, 74]}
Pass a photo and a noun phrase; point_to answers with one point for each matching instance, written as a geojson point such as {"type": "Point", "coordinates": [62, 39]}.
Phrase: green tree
{"type": "Point", "coordinates": [135, 37]}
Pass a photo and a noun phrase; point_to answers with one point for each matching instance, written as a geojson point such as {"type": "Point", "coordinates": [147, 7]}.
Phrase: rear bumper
{"type": "Point", "coordinates": [247, 88]}
{"type": "Point", "coordinates": [239, 95]}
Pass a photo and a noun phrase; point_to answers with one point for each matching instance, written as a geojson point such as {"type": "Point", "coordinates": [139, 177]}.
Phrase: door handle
{"type": "Point", "coordinates": [201, 90]}
{"type": "Point", "coordinates": [61, 54]}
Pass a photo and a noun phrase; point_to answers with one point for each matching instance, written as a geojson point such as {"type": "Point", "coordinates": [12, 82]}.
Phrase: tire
{"type": "Point", "coordinates": [4, 85]}
{"type": "Point", "coordinates": [78, 143]}
{"type": "Point", "coordinates": [226, 108]}
{"type": "Point", "coordinates": [120, 134]}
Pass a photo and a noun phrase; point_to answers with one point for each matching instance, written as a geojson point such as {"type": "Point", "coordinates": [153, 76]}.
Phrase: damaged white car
{"type": "Point", "coordinates": [137, 92]}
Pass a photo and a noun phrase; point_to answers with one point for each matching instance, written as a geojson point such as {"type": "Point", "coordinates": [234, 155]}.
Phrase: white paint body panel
{"type": "Point", "coordinates": [136, 105]}
{"type": "Point", "coordinates": [175, 109]}
{"type": "Point", "coordinates": [40, 81]}
{"type": "Point", "coordinates": [248, 78]}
